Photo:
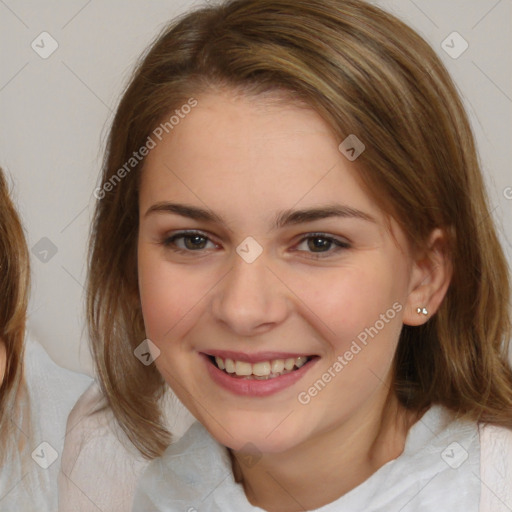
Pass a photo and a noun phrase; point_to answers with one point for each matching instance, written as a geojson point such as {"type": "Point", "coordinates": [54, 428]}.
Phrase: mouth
{"type": "Point", "coordinates": [261, 370]}
{"type": "Point", "coordinates": [257, 375]}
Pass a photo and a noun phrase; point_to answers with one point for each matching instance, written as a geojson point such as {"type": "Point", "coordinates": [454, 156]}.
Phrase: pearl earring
{"type": "Point", "coordinates": [422, 311]}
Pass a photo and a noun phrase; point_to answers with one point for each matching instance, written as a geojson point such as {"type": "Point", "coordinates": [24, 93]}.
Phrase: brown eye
{"type": "Point", "coordinates": [187, 242]}
{"type": "Point", "coordinates": [318, 244]}
{"type": "Point", "coordinates": [194, 242]}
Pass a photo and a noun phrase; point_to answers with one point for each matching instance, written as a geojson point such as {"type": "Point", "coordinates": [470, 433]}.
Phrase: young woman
{"type": "Point", "coordinates": [292, 225]}
{"type": "Point", "coordinates": [36, 395]}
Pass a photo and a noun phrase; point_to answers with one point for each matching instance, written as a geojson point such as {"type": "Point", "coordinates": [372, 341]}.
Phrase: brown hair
{"type": "Point", "coordinates": [14, 283]}
{"type": "Point", "coordinates": [366, 73]}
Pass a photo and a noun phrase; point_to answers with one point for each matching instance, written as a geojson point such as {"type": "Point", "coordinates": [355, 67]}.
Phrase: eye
{"type": "Point", "coordinates": [188, 241]}
{"type": "Point", "coordinates": [318, 244]}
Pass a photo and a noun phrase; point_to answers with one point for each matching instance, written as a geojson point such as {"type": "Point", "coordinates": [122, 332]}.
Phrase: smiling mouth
{"type": "Point", "coordinates": [263, 370]}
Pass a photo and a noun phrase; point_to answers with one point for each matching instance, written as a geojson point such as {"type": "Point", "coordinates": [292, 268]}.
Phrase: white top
{"type": "Point", "coordinates": [52, 392]}
{"type": "Point", "coordinates": [100, 466]}
{"type": "Point", "coordinates": [439, 470]}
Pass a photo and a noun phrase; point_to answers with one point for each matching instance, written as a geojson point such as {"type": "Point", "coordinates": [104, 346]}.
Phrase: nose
{"type": "Point", "coordinates": [250, 299]}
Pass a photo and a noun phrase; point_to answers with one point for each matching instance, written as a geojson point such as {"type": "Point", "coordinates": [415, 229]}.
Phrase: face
{"type": "Point", "coordinates": [260, 253]}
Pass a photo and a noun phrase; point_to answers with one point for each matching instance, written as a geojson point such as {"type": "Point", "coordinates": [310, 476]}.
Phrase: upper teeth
{"type": "Point", "coordinates": [262, 369]}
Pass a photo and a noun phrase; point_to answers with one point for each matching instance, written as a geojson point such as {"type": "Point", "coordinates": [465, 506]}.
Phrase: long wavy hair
{"type": "Point", "coordinates": [368, 74]}
{"type": "Point", "coordinates": [14, 283]}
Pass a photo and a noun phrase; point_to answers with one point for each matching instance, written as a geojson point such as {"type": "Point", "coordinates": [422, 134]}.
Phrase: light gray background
{"type": "Point", "coordinates": [55, 113]}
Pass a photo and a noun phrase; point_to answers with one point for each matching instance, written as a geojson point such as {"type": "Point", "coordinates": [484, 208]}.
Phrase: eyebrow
{"type": "Point", "coordinates": [282, 219]}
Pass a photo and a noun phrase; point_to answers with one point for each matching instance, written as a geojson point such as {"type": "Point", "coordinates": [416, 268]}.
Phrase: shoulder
{"type": "Point", "coordinates": [46, 379]}
{"type": "Point", "coordinates": [195, 470]}
{"type": "Point", "coordinates": [52, 391]}
{"type": "Point", "coordinates": [99, 466]}
{"type": "Point", "coordinates": [496, 468]}
{"type": "Point", "coordinates": [46, 397]}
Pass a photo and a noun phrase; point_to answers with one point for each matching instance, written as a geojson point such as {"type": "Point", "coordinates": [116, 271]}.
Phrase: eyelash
{"type": "Point", "coordinates": [169, 243]}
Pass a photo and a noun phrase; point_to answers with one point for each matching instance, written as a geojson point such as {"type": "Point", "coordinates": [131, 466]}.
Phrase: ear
{"type": "Point", "coordinates": [430, 278]}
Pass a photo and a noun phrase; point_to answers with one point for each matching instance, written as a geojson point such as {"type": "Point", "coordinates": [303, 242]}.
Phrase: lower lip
{"type": "Point", "coordinates": [254, 387]}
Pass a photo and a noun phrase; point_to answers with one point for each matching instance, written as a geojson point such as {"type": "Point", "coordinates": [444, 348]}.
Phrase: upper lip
{"type": "Point", "coordinates": [254, 358]}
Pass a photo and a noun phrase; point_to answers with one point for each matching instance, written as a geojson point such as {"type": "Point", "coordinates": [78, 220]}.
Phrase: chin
{"type": "Point", "coordinates": [265, 435]}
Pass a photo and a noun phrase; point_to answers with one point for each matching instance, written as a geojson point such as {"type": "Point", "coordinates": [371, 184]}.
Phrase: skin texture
{"type": "Point", "coordinates": [246, 160]}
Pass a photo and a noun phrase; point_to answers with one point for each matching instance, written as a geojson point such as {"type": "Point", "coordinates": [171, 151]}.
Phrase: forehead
{"type": "Point", "coordinates": [228, 126]}
{"type": "Point", "coordinates": [240, 152]}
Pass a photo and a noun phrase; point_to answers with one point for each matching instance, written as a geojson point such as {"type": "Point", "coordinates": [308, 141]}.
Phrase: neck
{"type": "Point", "coordinates": [326, 467]}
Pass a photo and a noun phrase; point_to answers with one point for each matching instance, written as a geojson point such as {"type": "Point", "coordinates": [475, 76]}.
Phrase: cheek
{"type": "Point", "coordinates": [168, 296]}
{"type": "Point", "coordinates": [346, 301]}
